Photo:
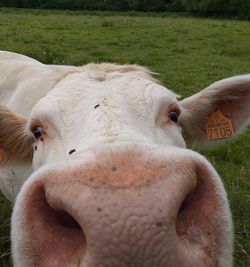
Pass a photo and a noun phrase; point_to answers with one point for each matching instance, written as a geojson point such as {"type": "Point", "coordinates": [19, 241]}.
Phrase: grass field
{"type": "Point", "coordinates": [188, 53]}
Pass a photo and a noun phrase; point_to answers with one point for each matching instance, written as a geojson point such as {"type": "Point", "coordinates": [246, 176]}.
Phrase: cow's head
{"type": "Point", "coordinates": [113, 184]}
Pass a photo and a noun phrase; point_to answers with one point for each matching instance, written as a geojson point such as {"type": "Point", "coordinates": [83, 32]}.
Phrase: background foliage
{"type": "Point", "coordinates": [225, 8]}
{"type": "Point", "coordinates": [188, 53]}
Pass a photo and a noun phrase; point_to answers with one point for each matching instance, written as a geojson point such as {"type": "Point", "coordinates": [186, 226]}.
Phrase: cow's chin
{"type": "Point", "coordinates": [127, 211]}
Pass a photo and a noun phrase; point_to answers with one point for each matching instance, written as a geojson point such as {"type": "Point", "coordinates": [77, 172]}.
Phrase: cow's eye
{"type": "Point", "coordinates": [173, 116]}
{"type": "Point", "coordinates": [38, 132]}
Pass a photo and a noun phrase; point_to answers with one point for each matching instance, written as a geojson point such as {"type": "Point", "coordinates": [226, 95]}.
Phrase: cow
{"type": "Point", "coordinates": [96, 161]}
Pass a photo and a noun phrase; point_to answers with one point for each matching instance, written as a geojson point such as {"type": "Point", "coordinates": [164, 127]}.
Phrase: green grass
{"type": "Point", "coordinates": [188, 53]}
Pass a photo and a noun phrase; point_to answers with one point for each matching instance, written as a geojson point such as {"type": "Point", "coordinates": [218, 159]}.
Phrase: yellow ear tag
{"type": "Point", "coordinates": [218, 126]}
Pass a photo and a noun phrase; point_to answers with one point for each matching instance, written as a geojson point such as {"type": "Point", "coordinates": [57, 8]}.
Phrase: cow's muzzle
{"type": "Point", "coordinates": [123, 209]}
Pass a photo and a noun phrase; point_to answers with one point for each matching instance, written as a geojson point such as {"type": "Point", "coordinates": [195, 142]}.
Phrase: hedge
{"type": "Point", "coordinates": [223, 8]}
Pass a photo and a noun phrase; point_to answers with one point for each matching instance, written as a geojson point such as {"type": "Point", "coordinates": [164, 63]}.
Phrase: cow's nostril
{"type": "Point", "coordinates": [186, 202]}
{"type": "Point", "coordinates": [196, 213]}
{"type": "Point", "coordinates": [187, 214]}
{"type": "Point", "coordinates": [55, 217]}
{"type": "Point", "coordinates": [66, 220]}
{"type": "Point", "coordinates": [54, 232]}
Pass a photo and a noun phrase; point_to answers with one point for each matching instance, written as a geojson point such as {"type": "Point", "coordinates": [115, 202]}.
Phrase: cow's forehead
{"type": "Point", "coordinates": [133, 86]}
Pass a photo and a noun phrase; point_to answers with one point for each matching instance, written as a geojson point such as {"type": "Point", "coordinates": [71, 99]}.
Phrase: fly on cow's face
{"type": "Point", "coordinates": [72, 151]}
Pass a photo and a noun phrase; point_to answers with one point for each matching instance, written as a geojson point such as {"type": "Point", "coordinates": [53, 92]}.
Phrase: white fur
{"type": "Point", "coordinates": [128, 112]}
{"type": "Point", "coordinates": [23, 81]}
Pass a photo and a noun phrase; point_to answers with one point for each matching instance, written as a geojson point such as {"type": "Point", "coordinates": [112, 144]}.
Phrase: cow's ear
{"type": "Point", "coordinates": [15, 140]}
{"type": "Point", "coordinates": [218, 112]}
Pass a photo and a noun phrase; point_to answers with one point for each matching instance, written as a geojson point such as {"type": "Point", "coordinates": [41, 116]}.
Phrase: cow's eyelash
{"type": "Point", "coordinates": [174, 107]}
{"type": "Point", "coordinates": [35, 124]}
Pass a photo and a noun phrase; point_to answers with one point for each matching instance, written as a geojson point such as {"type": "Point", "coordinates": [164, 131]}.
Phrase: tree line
{"type": "Point", "coordinates": [225, 8]}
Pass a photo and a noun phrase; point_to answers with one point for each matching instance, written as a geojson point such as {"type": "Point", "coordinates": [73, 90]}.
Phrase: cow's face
{"type": "Point", "coordinates": [82, 112]}
{"type": "Point", "coordinates": [116, 185]}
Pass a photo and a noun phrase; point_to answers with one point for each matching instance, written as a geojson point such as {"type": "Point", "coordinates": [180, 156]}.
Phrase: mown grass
{"type": "Point", "coordinates": [188, 53]}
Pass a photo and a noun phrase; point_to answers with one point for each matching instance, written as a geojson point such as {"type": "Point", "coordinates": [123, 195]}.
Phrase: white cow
{"type": "Point", "coordinates": [106, 180]}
